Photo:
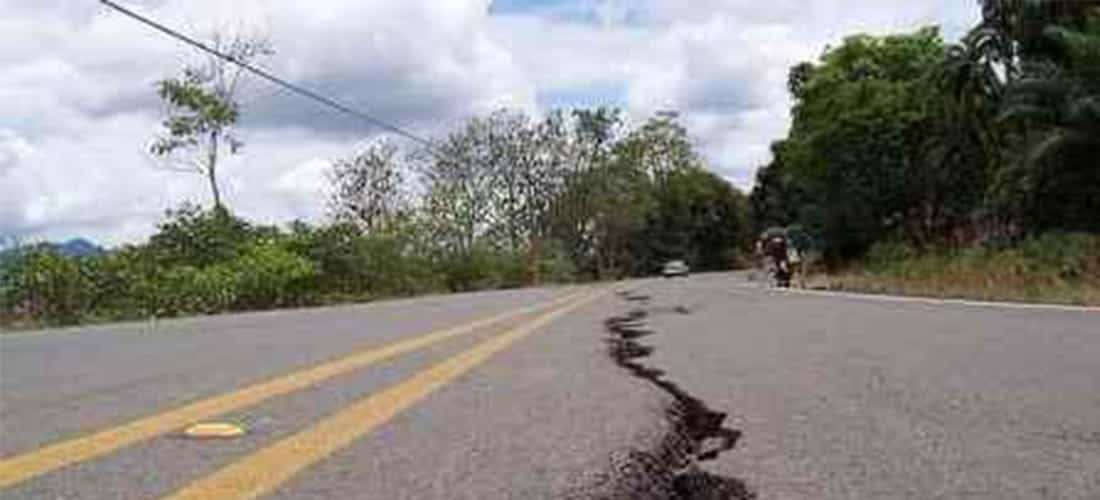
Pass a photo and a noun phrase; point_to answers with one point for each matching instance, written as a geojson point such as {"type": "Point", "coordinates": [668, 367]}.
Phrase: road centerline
{"type": "Point", "coordinates": [265, 470]}
{"type": "Point", "coordinates": [26, 466]}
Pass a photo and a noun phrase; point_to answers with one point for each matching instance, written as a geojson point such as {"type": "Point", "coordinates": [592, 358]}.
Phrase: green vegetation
{"type": "Point", "coordinates": [503, 201]}
{"type": "Point", "coordinates": [1054, 268]}
{"type": "Point", "coordinates": [203, 111]}
{"type": "Point", "coordinates": [968, 155]}
{"type": "Point", "coordinates": [951, 169]}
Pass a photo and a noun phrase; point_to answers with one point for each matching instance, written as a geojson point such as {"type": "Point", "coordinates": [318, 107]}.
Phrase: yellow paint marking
{"type": "Point", "coordinates": [263, 471]}
{"type": "Point", "coordinates": [214, 430]}
{"type": "Point", "coordinates": [20, 468]}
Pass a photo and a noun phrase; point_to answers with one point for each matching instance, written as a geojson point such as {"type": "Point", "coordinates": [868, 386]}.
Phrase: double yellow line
{"type": "Point", "coordinates": [266, 469]}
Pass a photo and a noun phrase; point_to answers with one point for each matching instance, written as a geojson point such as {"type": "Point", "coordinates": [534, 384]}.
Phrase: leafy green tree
{"type": "Point", "coordinates": [191, 235]}
{"type": "Point", "coordinates": [584, 143]}
{"type": "Point", "coordinates": [1056, 107]}
{"type": "Point", "coordinates": [777, 198]}
{"type": "Point", "coordinates": [699, 217]}
{"type": "Point", "coordinates": [203, 111]}
{"type": "Point", "coordinates": [621, 202]}
{"type": "Point", "coordinates": [1048, 117]}
{"type": "Point", "coordinates": [961, 144]}
{"type": "Point", "coordinates": [858, 124]}
{"type": "Point", "coordinates": [643, 199]}
{"type": "Point", "coordinates": [627, 201]}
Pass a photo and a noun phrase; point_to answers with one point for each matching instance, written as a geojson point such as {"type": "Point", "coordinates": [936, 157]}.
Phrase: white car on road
{"type": "Point", "coordinates": [675, 268]}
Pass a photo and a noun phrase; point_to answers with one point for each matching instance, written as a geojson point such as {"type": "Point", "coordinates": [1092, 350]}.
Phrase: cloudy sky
{"type": "Point", "coordinates": [79, 107]}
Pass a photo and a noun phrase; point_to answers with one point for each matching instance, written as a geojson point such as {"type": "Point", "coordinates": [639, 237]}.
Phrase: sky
{"type": "Point", "coordinates": [77, 83]}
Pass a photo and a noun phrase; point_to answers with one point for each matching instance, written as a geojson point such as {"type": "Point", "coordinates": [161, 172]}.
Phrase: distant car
{"type": "Point", "coordinates": [675, 268]}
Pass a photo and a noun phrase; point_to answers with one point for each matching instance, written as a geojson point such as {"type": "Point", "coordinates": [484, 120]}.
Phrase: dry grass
{"type": "Point", "coordinates": [1059, 269]}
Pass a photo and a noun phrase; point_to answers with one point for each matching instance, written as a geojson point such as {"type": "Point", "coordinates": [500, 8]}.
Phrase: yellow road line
{"type": "Point", "coordinates": [20, 468]}
{"type": "Point", "coordinates": [264, 470]}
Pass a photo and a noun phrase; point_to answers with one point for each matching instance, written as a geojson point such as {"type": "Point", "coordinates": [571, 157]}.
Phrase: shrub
{"type": "Point", "coordinates": [189, 290]}
{"type": "Point", "coordinates": [881, 256]}
{"type": "Point", "coordinates": [193, 236]}
{"type": "Point", "coordinates": [351, 264]}
{"type": "Point", "coordinates": [1072, 255]}
{"type": "Point", "coordinates": [46, 286]}
{"type": "Point", "coordinates": [268, 275]}
{"type": "Point", "coordinates": [555, 266]}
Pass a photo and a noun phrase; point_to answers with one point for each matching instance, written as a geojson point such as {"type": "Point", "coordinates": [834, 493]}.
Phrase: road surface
{"type": "Point", "coordinates": [513, 394]}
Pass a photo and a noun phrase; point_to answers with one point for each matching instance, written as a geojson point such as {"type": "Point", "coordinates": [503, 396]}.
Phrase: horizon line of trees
{"type": "Point", "coordinates": [504, 200]}
{"type": "Point", "coordinates": [900, 139]}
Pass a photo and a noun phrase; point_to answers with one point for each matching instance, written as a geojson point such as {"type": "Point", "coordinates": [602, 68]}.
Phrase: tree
{"type": "Point", "coordinates": [1055, 106]}
{"type": "Point", "coordinates": [660, 147]}
{"type": "Point", "coordinates": [962, 145]}
{"type": "Point", "coordinates": [203, 110]}
{"type": "Point", "coordinates": [635, 199]}
{"type": "Point", "coordinates": [903, 137]}
{"type": "Point", "coordinates": [698, 217]}
{"type": "Point", "coordinates": [493, 182]}
{"type": "Point", "coordinates": [859, 119]}
{"type": "Point", "coordinates": [524, 178]}
{"type": "Point", "coordinates": [777, 199]}
{"type": "Point", "coordinates": [582, 143]}
{"type": "Point", "coordinates": [461, 196]}
{"type": "Point", "coordinates": [621, 200]}
{"type": "Point", "coordinates": [995, 36]}
{"type": "Point", "coordinates": [1062, 91]}
{"type": "Point", "coordinates": [193, 236]}
{"type": "Point", "coordinates": [369, 190]}
{"type": "Point", "coordinates": [642, 216]}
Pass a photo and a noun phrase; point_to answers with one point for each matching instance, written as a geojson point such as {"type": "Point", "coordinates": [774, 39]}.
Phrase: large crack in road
{"type": "Point", "coordinates": [671, 469]}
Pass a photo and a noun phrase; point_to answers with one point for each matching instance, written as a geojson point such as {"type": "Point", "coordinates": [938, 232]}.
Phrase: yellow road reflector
{"type": "Point", "coordinates": [213, 430]}
{"type": "Point", "coordinates": [20, 468]}
{"type": "Point", "coordinates": [263, 471]}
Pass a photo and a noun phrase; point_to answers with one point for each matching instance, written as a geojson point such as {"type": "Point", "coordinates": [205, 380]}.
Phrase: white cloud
{"type": "Point", "coordinates": [303, 186]}
{"type": "Point", "coordinates": [14, 150]}
{"type": "Point", "coordinates": [721, 63]}
{"type": "Point", "coordinates": [77, 82]}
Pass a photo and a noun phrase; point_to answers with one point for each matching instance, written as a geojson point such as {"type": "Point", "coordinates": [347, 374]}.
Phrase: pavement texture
{"type": "Point", "coordinates": [840, 397]}
{"type": "Point", "coordinates": [537, 421]}
{"type": "Point", "coordinates": [697, 388]}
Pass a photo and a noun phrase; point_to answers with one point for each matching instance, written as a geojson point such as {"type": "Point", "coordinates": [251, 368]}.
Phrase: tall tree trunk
{"type": "Point", "coordinates": [212, 170]}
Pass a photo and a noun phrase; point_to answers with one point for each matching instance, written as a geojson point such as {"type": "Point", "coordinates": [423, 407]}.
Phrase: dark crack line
{"type": "Point", "coordinates": [671, 470]}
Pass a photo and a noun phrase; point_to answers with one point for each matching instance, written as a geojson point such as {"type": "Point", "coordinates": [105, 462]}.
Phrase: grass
{"type": "Point", "coordinates": [1060, 269]}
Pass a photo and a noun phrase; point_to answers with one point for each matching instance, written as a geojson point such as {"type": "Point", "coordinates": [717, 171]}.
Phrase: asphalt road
{"type": "Point", "coordinates": [843, 397]}
{"type": "Point", "coordinates": [835, 397]}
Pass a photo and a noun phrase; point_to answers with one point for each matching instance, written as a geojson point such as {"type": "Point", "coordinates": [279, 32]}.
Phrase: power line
{"type": "Point", "coordinates": [302, 91]}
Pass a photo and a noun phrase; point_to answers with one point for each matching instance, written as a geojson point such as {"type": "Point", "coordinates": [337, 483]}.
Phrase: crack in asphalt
{"type": "Point", "coordinates": [670, 470]}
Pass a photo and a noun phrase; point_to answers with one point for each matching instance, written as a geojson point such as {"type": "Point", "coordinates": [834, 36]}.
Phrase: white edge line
{"type": "Point", "coordinates": [932, 301]}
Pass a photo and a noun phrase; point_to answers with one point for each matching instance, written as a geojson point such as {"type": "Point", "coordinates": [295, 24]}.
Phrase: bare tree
{"type": "Point", "coordinates": [203, 110]}
{"type": "Point", "coordinates": [491, 182]}
{"type": "Point", "coordinates": [369, 190]}
{"type": "Point", "coordinates": [458, 201]}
